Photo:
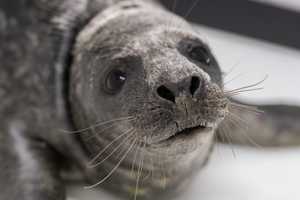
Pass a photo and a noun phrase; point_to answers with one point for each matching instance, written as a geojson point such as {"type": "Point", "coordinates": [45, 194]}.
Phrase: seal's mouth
{"type": "Point", "coordinates": [186, 132]}
{"type": "Point", "coordinates": [190, 132]}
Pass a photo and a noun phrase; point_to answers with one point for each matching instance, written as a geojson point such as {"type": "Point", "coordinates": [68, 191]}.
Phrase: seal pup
{"type": "Point", "coordinates": [141, 90]}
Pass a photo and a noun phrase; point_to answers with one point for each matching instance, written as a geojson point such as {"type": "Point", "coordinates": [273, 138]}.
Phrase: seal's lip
{"type": "Point", "coordinates": [188, 133]}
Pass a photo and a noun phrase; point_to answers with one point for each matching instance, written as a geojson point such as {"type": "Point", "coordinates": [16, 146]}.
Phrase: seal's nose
{"type": "Point", "coordinates": [188, 87]}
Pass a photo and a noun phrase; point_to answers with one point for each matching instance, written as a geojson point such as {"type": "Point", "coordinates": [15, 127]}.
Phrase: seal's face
{"type": "Point", "coordinates": [155, 86]}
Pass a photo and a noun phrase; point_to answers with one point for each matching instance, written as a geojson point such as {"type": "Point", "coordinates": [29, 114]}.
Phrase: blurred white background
{"type": "Point", "coordinates": [253, 173]}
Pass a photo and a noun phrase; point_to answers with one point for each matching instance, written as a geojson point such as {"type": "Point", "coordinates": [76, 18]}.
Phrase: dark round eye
{"type": "Point", "coordinates": [200, 54]}
{"type": "Point", "coordinates": [115, 81]}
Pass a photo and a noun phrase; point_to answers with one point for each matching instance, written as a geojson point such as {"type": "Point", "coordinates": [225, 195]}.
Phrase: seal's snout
{"type": "Point", "coordinates": [188, 106]}
{"type": "Point", "coordinates": [171, 91]}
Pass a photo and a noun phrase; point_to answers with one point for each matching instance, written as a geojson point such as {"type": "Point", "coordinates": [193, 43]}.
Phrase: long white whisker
{"type": "Point", "coordinates": [110, 144]}
{"type": "Point", "coordinates": [114, 169]}
{"type": "Point", "coordinates": [233, 93]}
{"type": "Point", "coordinates": [191, 9]}
{"type": "Point", "coordinates": [243, 90]}
{"type": "Point", "coordinates": [100, 124]}
{"type": "Point", "coordinates": [233, 79]}
{"type": "Point", "coordinates": [100, 132]}
{"type": "Point", "coordinates": [235, 118]}
{"type": "Point", "coordinates": [253, 109]}
{"type": "Point", "coordinates": [249, 86]}
{"type": "Point", "coordinates": [228, 137]}
{"type": "Point", "coordinates": [134, 159]}
{"type": "Point", "coordinates": [110, 154]}
{"type": "Point", "coordinates": [140, 168]}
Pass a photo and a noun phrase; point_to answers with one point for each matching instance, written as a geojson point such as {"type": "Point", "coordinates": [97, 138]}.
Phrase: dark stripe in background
{"type": "Point", "coordinates": [244, 17]}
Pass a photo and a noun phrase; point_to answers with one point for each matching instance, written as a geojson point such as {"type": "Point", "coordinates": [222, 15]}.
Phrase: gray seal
{"type": "Point", "coordinates": [125, 91]}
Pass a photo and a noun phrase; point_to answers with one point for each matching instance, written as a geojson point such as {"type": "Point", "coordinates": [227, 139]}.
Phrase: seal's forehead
{"type": "Point", "coordinates": [169, 37]}
{"type": "Point", "coordinates": [162, 61]}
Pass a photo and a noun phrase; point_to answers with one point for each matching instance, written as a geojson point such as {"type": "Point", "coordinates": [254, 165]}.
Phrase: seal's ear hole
{"type": "Point", "coordinates": [195, 84]}
{"type": "Point", "coordinates": [165, 93]}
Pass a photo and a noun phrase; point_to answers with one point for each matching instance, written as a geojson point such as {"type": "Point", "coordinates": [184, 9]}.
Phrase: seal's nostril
{"type": "Point", "coordinates": [195, 84]}
{"type": "Point", "coordinates": [165, 93]}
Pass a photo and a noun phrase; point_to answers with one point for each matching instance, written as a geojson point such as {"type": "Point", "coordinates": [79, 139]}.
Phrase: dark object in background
{"type": "Point", "coordinates": [248, 18]}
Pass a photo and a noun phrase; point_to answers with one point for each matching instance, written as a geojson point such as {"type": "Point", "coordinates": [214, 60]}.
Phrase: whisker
{"type": "Point", "coordinates": [238, 119]}
{"type": "Point", "coordinates": [249, 86]}
{"type": "Point", "coordinates": [114, 169]}
{"type": "Point", "coordinates": [100, 132]}
{"type": "Point", "coordinates": [231, 69]}
{"type": "Point", "coordinates": [191, 9]}
{"type": "Point", "coordinates": [149, 173]}
{"type": "Point", "coordinates": [242, 91]}
{"type": "Point", "coordinates": [248, 108]}
{"type": "Point", "coordinates": [233, 79]}
{"type": "Point", "coordinates": [163, 174]}
{"type": "Point", "coordinates": [134, 159]}
{"type": "Point", "coordinates": [216, 100]}
{"type": "Point", "coordinates": [152, 169]}
{"type": "Point", "coordinates": [228, 137]}
{"type": "Point", "coordinates": [140, 169]}
{"type": "Point", "coordinates": [234, 123]}
{"type": "Point", "coordinates": [110, 154]}
{"type": "Point", "coordinates": [129, 118]}
{"type": "Point", "coordinates": [221, 134]}
{"type": "Point", "coordinates": [109, 145]}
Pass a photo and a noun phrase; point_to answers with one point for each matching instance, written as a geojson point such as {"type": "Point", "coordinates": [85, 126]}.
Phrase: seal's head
{"type": "Point", "coordinates": [149, 89]}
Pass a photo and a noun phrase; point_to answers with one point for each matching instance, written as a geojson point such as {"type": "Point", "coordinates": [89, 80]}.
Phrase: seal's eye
{"type": "Point", "coordinates": [115, 81]}
{"type": "Point", "coordinates": [200, 54]}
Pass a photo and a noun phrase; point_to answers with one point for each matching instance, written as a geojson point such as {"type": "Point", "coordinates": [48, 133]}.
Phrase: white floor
{"type": "Point", "coordinates": [252, 174]}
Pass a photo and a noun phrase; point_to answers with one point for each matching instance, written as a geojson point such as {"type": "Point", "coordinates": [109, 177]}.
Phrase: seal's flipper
{"type": "Point", "coordinates": [268, 125]}
{"type": "Point", "coordinates": [29, 168]}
